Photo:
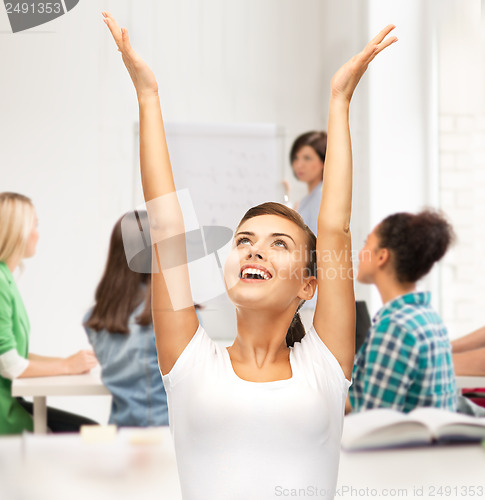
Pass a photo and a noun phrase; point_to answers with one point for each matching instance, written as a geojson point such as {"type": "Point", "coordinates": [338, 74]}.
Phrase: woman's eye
{"type": "Point", "coordinates": [280, 243]}
{"type": "Point", "coordinates": [242, 241]}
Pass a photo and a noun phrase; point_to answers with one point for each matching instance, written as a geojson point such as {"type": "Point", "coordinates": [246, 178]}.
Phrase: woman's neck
{"type": "Point", "coordinates": [12, 263]}
{"type": "Point", "coordinates": [261, 337]}
{"type": "Point", "coordinates": [313, 184]}
{"type": "Point", "coordinates": [389, 289]}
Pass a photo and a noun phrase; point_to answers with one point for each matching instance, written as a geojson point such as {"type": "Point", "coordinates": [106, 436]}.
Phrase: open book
{"type": "Point", "coordinates": [385, 428]}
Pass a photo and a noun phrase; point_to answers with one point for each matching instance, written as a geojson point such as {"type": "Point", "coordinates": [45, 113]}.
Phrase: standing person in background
{"type": "Point", "coordinates": [120, 329]}
{"type": "Point", "coordinates": [18, 241]}
{"type": "Point", "coordinates": [405, 361]}
{"type": "Point", "coordinates": [307, 158]}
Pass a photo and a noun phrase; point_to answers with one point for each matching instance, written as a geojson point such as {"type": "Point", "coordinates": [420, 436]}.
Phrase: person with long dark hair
{"type": "Point", "coordinates": [405, 361]}
{"type": "Point", "coordinates": [265, 414]}
{"type": "Point", "coordinates": [120, 329]}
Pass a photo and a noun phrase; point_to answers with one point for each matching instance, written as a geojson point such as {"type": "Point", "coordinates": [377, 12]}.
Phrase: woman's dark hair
{"type": "Point", "coordinates": [416, 242]}
{"type": "Point", "coordinates": [315, 139]}
{"type": "Point", "coordinates": [296, 330]}
{"type": "Point", "coordinates": [122, 290]}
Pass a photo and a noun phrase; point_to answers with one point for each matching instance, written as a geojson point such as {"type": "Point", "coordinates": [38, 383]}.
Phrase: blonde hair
{"type": "Point", "coordinates": [17, 218]}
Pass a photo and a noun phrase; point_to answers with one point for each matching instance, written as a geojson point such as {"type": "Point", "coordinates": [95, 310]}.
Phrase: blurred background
{"type": "Point", "coordinates": [69, 112]}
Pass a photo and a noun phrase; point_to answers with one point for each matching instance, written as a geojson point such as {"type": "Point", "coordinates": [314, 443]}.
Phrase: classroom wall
{"type": "Point", "coordinates": [462, 160]}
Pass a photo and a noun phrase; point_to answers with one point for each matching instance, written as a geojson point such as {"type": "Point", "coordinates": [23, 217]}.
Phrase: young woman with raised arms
{"type": "Point", "coordinates": [264, 415]}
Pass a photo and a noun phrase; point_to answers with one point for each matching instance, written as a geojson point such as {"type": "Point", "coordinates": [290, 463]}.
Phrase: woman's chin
{"type": "Point", "coordinates": [364, 280]}
{"type": "Point", "coordinates": [247, 297]}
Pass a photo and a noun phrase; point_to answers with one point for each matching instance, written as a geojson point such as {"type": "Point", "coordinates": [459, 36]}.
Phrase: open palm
{"type": "Point", "coordinates": [141, 75]}
{"type": "Point", "coordinates": [348, 76]}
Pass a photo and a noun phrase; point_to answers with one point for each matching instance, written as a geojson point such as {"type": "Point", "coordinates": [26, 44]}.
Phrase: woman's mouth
{"type": "Point", "coordinates": [254, 273]}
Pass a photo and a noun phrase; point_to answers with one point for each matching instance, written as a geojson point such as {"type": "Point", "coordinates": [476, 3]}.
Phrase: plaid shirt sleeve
{"type": "Point", "coordinates": [385, 368]}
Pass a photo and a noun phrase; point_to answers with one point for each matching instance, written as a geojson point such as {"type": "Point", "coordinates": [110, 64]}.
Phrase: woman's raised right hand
{"type": "Point", "coordinates": [141, 75]}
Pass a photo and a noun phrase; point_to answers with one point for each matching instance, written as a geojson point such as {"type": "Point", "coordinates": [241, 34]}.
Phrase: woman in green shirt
{"type": "Point", "coordinates": [18, 240]}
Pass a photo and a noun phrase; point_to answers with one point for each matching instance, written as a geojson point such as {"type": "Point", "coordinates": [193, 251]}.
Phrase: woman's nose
{"type": "Point", "coordinates": [255, 252]}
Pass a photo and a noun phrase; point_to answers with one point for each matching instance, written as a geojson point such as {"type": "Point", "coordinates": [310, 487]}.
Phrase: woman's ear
{"type": "Point", "coordinates": [308, 288]}
{"type": "Point", "coordinates": [383, 257]}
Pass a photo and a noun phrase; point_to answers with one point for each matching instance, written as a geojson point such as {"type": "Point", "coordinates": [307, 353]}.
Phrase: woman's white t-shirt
{"type": "Point", "coordinates": [236, 439]}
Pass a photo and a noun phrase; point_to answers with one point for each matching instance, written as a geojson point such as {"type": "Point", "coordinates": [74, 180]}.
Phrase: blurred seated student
{"type": "Point", "coordinates": [18, 241]}
{"type": "Point", "coordinates": [120, 329]}
{"type": "Point", "coordinates": [469, 360]}
{"type": "Point", "coordinates": [405, 361]}
{"type": "Point", "coordinates": [469, 354]}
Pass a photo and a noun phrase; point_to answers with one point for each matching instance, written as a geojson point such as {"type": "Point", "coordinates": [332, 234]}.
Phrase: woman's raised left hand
{"type": "Point", "coordinates": [348, 76]}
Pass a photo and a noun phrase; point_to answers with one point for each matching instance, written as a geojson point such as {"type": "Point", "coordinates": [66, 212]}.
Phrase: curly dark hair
{"type": "Point", "coordinates": [416, 241]}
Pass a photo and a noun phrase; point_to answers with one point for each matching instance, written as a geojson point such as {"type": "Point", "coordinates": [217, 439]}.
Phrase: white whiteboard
{"type": "Point", "coordinates": [227, 168]}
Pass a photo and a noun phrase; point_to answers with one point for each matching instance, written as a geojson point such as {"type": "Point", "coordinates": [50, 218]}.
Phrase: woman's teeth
{"type": "Point", "coordinates": [250, 273]}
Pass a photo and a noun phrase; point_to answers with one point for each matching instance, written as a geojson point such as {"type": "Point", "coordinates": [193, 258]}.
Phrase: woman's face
{"type": "Point", "coordinates": [307, 165]}
{"type": "Point", "coordinates": [32, 240]}
{"type": "Point", "coordinates": [266, 268]}
{"type": "Point", "coordinates": [368, 259]}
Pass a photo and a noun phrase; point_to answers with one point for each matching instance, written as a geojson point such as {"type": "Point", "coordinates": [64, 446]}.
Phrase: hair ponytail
{"type": "Point", "coordinates": [296, 331]}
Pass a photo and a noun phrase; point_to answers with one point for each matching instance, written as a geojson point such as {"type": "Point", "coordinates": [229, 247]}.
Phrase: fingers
{"type": "Point", "coordinates": [126, 40]}
{"type": "Point", "coordinates": [379, 43]}
{"type": "Point", "coordinates": [382, 34]}
{"type": "Point", "coordinates": [120, 35]}
{"type": "Point", "coordinates": [87, 356]}
{"type": "Point", "coordinates": [385, 44]}
{"type": "Point", "coordinates": [114, 28]}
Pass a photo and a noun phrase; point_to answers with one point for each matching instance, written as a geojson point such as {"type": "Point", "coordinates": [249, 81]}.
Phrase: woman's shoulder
{"type": "Point", "coordinates": [311, 352]}
{"type": "Point", "coordinates": [5, 276]}
{"type": "Point", "coordinates": [87, 315]}
{"type": "Point", "coordinates": [9, 293]}
{"type": "Point", "coordinates": [408, 325]}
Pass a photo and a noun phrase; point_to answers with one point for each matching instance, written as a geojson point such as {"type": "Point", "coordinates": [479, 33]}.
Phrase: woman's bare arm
{"type": "Point", "coordinates": [46, 366]}
{"type": "Point", "coordinates": [334, 318]}
{"type": "Point", "coordinates": [470, 363]}
{"type": "Point", "coordinates": [474, 340]}
{"type": "Point", "coordinates": [174, 316]}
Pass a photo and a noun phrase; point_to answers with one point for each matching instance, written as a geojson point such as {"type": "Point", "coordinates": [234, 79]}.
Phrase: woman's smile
{"type": "Point", "coordinates": [251, 273]}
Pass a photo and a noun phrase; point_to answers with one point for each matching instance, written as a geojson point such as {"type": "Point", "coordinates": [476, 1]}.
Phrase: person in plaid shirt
{"type": "Point", "coordinates": [406, 359]}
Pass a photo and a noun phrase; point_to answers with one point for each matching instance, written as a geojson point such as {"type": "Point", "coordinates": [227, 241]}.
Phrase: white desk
{"type": "Point", "coordinates": [62, 466]}
{"type": "Point", "coordinates": [70, 385]}
{"type": "Point", "coordinates": [459, 470]}
{"type": "Point", "coordinates": [470, 382]}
